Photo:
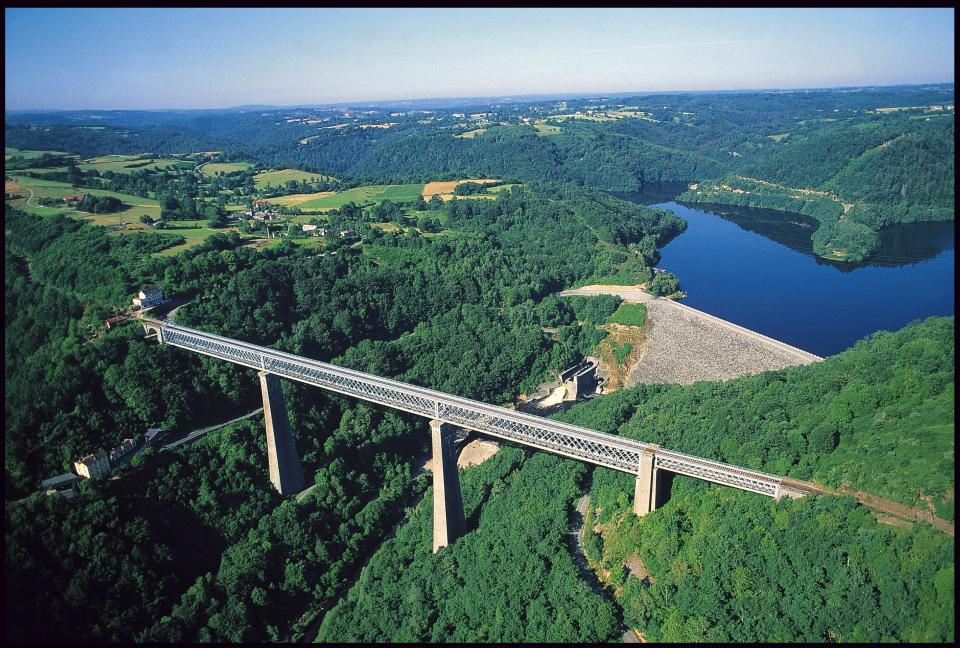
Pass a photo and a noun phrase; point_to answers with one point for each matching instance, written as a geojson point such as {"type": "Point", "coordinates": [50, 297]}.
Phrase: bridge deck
{"type": "Point", "coordinates": [572, 441]}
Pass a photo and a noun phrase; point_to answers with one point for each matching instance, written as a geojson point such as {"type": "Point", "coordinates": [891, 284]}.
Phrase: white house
{"type": "Point", "coordinates": [147, 297]}
{"type": "Point", "coordinates": [93, 466]}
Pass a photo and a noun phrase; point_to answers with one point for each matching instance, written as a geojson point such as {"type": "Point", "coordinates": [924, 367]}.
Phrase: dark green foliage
{"type": "Point", "coordinates": [727, 566]}
{"type": "Point", "coordinates": [594, 309]}
{"type": "Point", "coordinates": [846, 240]}
{"type": "Point", "coordinates": [99, 204]}
{"type": "Point", "coordinates": [510, 579]}
{"type": "Point", "coordinates": [93, 555]}
{"type": "Point", "coordinates": [664, 283]}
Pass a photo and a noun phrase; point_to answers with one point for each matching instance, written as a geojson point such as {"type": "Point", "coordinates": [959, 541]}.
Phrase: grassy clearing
{"type": "Point", "coordinates": [545, 130]}
{"type": "Point", "coordinates": [262, 180]}
{"type": "Point", "coordinates": [470, 134]}
{"type": "Point", "coordinates": [629, 315]}
{"type": "Point", "coordinates": [129, 164]}
{"type": "Point", "coordinates": [213, 168]}
{"type": "Point", "coordinates": [27, 155]}
{"type": "Point", "coordinates": [136, 205]}
{"type": "Point", "coordinates": [193, 236]}
{"type": "Point", "coordinates": [779, 137]}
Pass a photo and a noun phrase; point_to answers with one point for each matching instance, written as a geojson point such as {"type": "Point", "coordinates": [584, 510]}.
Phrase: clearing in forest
{"type": "Point", "coordinates": [470, 134]}
{"type": "Point", "coordinates": [445, 188]}
{"type": "Point", "coordinates": [262, 180]}
{"type": "Point", "coordinates": [213, 168]}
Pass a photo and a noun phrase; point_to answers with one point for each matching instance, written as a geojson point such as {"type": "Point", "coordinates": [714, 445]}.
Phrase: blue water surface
{"type": "Point", "coordinates": [756, 267]}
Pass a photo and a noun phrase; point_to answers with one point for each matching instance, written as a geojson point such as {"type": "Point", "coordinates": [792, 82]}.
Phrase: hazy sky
{"type": "Point", "coordinates": [206, 58]}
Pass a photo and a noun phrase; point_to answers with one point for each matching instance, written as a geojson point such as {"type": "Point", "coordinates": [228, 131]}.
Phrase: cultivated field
{"type": "Point", "coordinates": [276, 178]}
{"type": "Point", "coordinates": [130, 163]}
{"type": "Point", "coordinates": [360, 195]}
{"type": "Point", "coordinates": [445, 189]}
{"type": "Point", "coordinates": [213, 168]}
{"type": "Point", "coordinates": [28, 155]}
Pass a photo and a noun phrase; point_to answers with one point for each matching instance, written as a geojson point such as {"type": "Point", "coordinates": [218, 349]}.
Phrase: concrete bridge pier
{"type": "Point", "coordinates": [651, 486]}
{"type": "Point", "coordinates": [448, 522]}
{"type": "Point", "coordinates": [282, 460]}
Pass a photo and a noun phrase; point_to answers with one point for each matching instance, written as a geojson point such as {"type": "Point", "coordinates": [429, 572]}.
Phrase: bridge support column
{"type": "Point", "coordinates": [282, 460]}
{"type": "Point", "coordinates": [448, 523]}
{"type": "Point", "coordinates": [650, 486]}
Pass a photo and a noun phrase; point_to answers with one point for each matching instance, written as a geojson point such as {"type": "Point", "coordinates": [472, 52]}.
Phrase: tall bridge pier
{"type": "Point", "coordinates": [448, 522]}
{"type": "Point", "coordinates": [282, 460]}
{"type": "Point", "coordinates": [652, 483]}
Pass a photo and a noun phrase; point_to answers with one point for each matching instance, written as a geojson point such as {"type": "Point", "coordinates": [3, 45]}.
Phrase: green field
{"type": "Point", "coordinates": [52, 189]}
{"type": "Point", "coordinates": [262, 180]}
{"type": "Point", "coordinates": [28, 155]}
{"type": "Point", "coordinates": [547, 129]}
{"type": "Point", "coordinates": [359, 195]}
{"type": "Point", "coordinates": [470, 134]}
{"type": "Point", "coordinates": [130, 163]}
{"type": "Point", "coordinates": [192, 235]}
{"type": "Point", "coordinates": [213, 168]}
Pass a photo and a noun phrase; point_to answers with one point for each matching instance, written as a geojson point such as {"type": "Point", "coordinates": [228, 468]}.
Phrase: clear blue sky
{"type": "Point", "coordinates": [206, 58]}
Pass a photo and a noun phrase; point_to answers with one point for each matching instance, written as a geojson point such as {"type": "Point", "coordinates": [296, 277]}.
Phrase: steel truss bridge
{"type": "Point", "coordinates": [607, 450]}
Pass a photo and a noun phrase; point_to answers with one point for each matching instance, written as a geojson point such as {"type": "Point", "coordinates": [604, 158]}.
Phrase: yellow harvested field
{"type": "Point", "coordinates": [11, 187]}
{"type": "Point", "coordinates": [445, 189]}
{"type": "Point", "coordinates": [299, 199]}
{"type": "Point", "coordinates": [432, 188]}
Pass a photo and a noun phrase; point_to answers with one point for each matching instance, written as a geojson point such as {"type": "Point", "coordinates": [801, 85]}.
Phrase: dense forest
{"type": "Point", "coordinates": [713, 563]}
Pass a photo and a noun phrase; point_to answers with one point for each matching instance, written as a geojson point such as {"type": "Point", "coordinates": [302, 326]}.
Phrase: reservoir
{"type": "Point", "coordinates": [756, 268]}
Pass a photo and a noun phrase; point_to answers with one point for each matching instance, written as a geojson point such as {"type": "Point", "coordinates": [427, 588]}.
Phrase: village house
{"type": "Point", "coordinates": [122, 451]}
{"type": "Point", "coordinates": [93, 466]}
{"type": "Point", "coordinates": [154, 435]}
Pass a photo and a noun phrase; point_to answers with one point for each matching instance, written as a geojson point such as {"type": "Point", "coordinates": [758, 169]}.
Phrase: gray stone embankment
{"type": "Point", "coordinates": [687, 345]}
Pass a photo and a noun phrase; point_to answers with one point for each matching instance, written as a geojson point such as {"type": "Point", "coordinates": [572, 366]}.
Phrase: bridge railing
{"type": "Point", "coordinates": [606, 450]}
{"type": "Point", "coordinates": [579, 443]}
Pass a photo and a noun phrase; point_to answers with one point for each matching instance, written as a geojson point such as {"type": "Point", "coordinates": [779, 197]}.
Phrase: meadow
{"type": "Point", "coordinates": [213, 168]}
{"type": "Point", "coordinates": [276, 178]}
{"type": "Point", "coordinates": [360, 195]}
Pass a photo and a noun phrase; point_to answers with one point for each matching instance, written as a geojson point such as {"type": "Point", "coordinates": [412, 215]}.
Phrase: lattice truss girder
{"type": "Point", "coordinates": [579, 443]}
{"type": "Point", "coordinates": [741, 478]}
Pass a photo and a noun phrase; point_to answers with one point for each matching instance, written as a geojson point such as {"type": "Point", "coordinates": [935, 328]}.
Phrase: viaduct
{"type": "Point", "coordinates": [651, 465]}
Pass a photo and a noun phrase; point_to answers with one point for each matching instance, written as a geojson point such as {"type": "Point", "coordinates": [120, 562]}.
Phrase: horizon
{"type": "Point", "coordinates": [516, 97]}
{"type": "Point", "coordinates": [58, 61]}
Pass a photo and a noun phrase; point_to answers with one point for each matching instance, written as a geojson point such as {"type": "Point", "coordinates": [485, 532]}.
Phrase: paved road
{"type": "Point", "coordinates": [630, 636]}
{"type": "Point", "coordinates": [199, 433]}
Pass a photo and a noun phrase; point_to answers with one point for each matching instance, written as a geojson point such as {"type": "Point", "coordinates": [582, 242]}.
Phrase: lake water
{"type": "Point", "coordinates": [756, 268]}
